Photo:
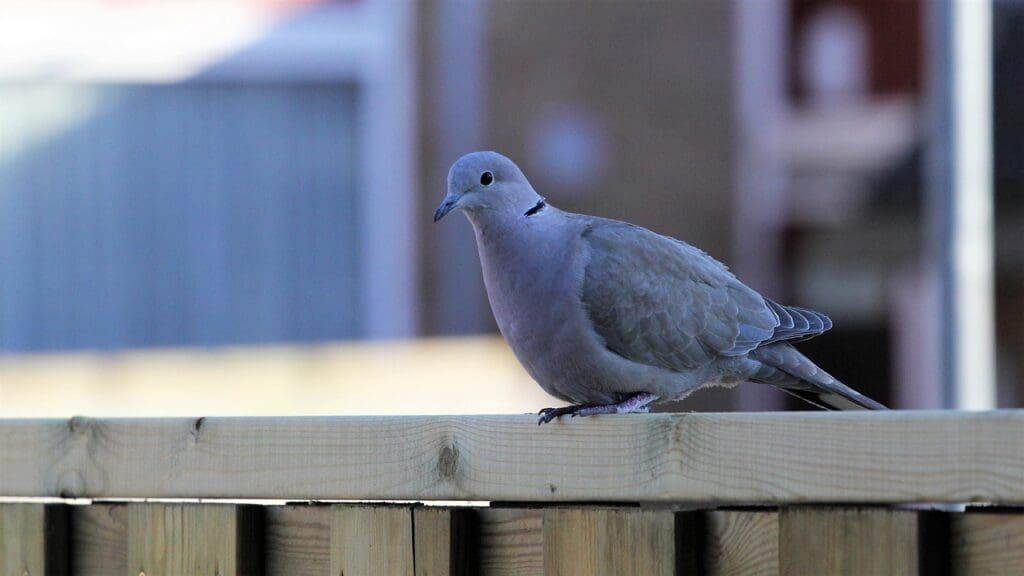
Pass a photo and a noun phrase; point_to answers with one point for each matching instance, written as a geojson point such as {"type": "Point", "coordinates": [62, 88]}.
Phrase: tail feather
{"type": "Point", "coordinates": [796, 324]}
{"type": "Point", "coordinates": [786, 368]}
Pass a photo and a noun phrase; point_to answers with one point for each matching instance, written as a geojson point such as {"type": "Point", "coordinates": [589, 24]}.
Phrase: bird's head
{"type": "Point", "coordinates": [487, 185]}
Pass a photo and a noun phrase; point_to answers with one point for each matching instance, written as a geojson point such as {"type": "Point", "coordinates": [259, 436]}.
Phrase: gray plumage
{"type": "Point", "coordinates": [610, 316]}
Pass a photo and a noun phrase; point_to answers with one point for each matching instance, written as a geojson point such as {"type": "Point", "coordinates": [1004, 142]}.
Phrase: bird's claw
{"type": "Point", "coordinates": [549, 414]}
{"type": "Point", "coordinates": [637, 403]}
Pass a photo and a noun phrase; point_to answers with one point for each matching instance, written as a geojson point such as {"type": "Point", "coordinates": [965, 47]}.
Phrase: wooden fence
{"type": "Point", "coordinates": [784, 493]}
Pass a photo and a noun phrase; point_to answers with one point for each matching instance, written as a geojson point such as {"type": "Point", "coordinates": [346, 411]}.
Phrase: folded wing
{"type": "Point", "coordinates": [662, 302]}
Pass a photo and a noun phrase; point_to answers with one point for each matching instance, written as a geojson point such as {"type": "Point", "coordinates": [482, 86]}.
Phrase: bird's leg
{"type": "Point", "coordinates": [636, 403]}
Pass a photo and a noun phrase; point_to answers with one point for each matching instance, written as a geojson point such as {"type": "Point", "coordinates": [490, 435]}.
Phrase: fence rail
{"type": "Point", "coordinates": [896, 457]}
{"type": "Point", "coordinates": [638, 494]}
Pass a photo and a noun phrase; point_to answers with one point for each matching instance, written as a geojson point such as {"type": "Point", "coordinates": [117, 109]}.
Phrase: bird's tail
{"type": "Point", "coordinates": [784, 366]}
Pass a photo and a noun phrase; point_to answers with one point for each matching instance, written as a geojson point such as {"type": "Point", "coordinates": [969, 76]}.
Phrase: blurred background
{"type": "Point", "coordinates": [223, 206]}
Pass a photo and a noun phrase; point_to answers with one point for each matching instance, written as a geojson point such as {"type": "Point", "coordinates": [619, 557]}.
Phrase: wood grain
{"type": "Point", "coordinates": [175, 539]}
{"type": "Point", "coordinates": [443, 541]}
{"type": "Point", "coordinates": [718, 458]}
{"type": "Point", "coordinates": [298, 540]}
{"type": "Point", "coordinates": [741, 542]}
{"type": "Point", "coordinates": [367, 540]}
{"type": "Point", "coordinates": [99, 539]}
{"type": "Point", "coordinates": [33, 539]}
{"type": "Point", "coordinates": [848, 541]}
{"type": "Point", "coordinates": [987, 543]}
{"type": "Point", "coordinates": [510, 541]}
{"type": "Point", "coordinates": [609, 541]}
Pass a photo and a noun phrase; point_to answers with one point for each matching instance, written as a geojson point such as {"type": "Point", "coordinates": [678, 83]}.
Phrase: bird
{"type": "Point", "coordinates": [614, 318]}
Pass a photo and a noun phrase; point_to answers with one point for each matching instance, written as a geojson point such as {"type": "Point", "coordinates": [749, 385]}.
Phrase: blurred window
{"type": "Point", "coordinates": [176, 214]}
{"type": "Point", "coordinates": [177, 174]}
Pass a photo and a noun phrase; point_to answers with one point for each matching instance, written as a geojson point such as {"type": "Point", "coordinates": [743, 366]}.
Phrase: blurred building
{"type": "Point", "coordinates": [834, 230]}
{"type": "Point", "coordinates": [235, 172]}
{"type": "Point", "coordinates": [205, 173]}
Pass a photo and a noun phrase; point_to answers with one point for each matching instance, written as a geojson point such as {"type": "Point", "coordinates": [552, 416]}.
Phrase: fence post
{"type": "Point", "coordinates": [371, 540]}
{"type": "Point", "coordinates": [298, 540]}
{"type": "Point", "coordinates": [99, 536]}
{"type": "Point", "coordinates": [511, 540]}
{"type": "Point", "coordinates": [742, 542]}
{"type": "Point", "coordinates": [33, 539]}
{"type": "Point", "coordinates": [853, 541]}
{"type": "Point", "coordinates": [987, 542]}
{"type": "Point", "coordinates": [443, 541]}
{"type": "Point", "coordinates": [609, 541]}
{"type": "Point", "coordinates": [174, 539]}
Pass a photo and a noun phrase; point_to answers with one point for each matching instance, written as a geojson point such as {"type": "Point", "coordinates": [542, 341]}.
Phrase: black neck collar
{"type": "Point", "coordinates": [536, 208]}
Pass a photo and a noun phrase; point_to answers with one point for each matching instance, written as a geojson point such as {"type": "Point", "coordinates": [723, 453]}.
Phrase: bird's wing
{"type": "Point", "coordinates": [662, 302]}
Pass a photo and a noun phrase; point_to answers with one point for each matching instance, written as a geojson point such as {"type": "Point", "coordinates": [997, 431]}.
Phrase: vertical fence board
{"type": "Point", "coordinates": [33, 539]}
{"type": "Point", "coordinates": [510, 541]}
{"type": "Point", "coordinates": [298, 540]}
{"type": "Point", "coordinates": [444, 541]}
{"type": "Point", "coordinates": [305, 540]}
{"type": "Point", "coordinates": [848, 541]}
{"type": "Point", "coordinates": [742, 542]}
{"type": "Point", "coordinates": [371, 540]}
{"type": "Point", "coordinates": [175, 539]}
{"type": "Point", "coordinates": [99, 539]}
{"type": "Point", "coordinates": [987, 543]}
{"type": "Point", "coordinates": [609, 541]}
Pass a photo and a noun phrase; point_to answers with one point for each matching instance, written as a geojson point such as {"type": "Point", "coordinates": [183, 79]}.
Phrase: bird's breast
{"type": "Point", "coordinates": [533, 285]}
{"type": "Point", "coordinates": [528, 277]}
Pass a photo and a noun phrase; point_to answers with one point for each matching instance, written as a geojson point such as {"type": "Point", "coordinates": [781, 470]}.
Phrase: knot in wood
{"type": "Point", "coordinates": [70, 484]}
{"type": "Point", "coordinates": [197, 425]}
{"type": "Point", "coordinates": [79, 425]}
{"type": "Point", "coordinates": [448, 462]}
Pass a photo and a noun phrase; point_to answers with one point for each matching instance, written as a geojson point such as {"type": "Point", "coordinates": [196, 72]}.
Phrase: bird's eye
{"type": "Point", "coordinates": [486, 178]}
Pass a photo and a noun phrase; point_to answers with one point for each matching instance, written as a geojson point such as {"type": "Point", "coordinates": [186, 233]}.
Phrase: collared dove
{"type": "Point", "coordinates": [612, 317]}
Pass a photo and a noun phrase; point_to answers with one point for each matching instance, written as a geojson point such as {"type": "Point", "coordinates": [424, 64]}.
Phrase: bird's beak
{"type": "Point", "coordinates": [446, 206]}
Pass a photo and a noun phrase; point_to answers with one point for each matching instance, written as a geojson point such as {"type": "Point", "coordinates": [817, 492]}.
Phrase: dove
{"type": "Point", "coordinates": [613, 318]}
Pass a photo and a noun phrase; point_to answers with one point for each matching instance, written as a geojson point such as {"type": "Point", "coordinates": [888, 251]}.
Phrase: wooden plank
{"type": "Point", "coordinates": [99, 539]}
{"type": "Point", "coordinates": [848, 541]}
{"type": "Point", "coordinates": [174, 539]}
{"type": "Point", "coordinates": [371, 540]}
{"type": "Point", "coordinates": [987, 542]}
{"type": "Point", "coordinates": [33, 539]}
{"type": "Point", "coordinates": [443, 540]}
{"type": "Point", "coordinates": [298, 540]}
{"type": "Point", "coordinates": [609, 541]}
{"type": "Point", "coordinates": [510, 541]}
{"type": "Point", "coordinates": [720, 458]}
{"type": "Point", "coordinates": [742, 542]}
